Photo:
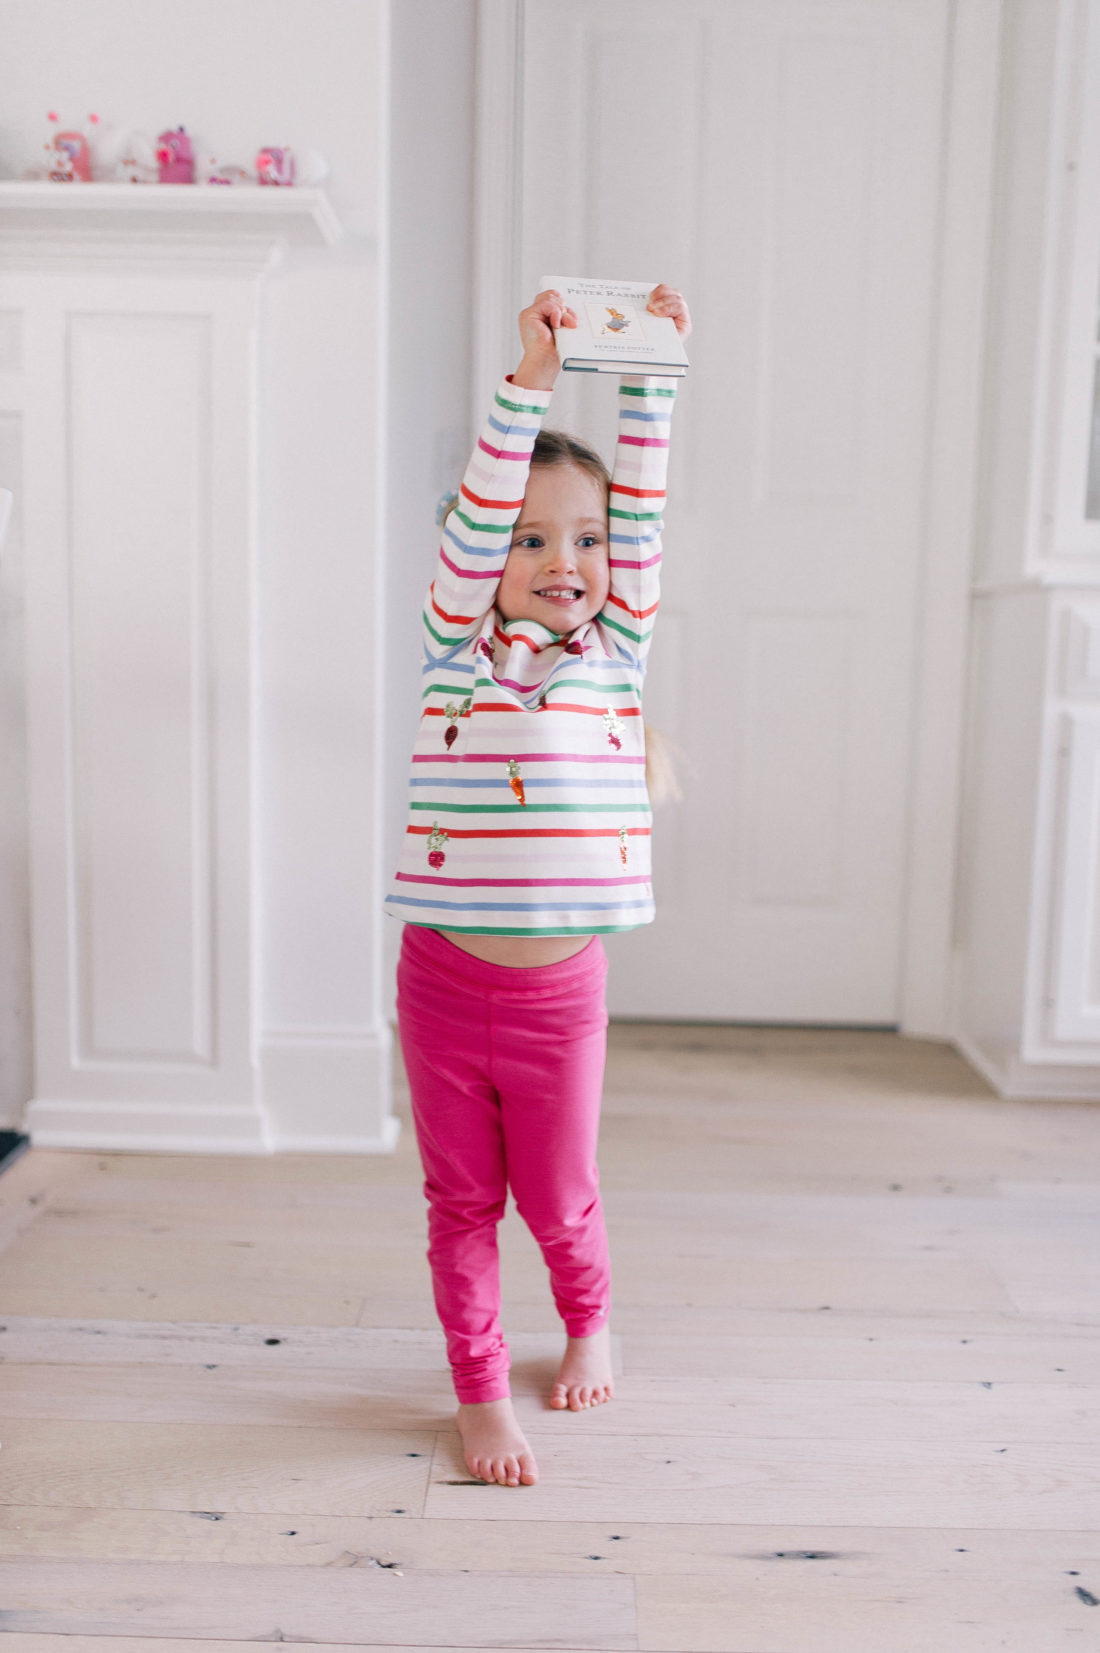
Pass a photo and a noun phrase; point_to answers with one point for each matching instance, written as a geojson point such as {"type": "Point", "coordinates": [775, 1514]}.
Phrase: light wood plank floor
{"type": "Point", "coordinates": [857, 1329]}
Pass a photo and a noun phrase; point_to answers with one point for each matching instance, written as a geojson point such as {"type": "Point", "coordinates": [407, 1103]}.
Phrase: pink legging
{"type": "Point", "coordinates": [505, 1068]}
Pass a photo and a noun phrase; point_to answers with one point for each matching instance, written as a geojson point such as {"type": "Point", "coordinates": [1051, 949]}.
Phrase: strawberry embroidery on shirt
{"type": "Point", "coordinates": [614, 726]}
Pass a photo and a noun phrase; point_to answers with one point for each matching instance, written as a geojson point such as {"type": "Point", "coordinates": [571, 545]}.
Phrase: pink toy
{"type": "Point", "coordinates": [275, 166]}
{"type": "Point", "coordinates": [69, 157]}
{"type": "Point", "coordinates": [175, 161]}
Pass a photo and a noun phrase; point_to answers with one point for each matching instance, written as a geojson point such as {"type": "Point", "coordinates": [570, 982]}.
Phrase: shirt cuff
{"type": "Point", "coordinates": [509, 392]}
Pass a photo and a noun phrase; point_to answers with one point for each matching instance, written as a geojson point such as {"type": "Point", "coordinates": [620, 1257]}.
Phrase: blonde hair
{"type": "Point", "coordinates": [661, 777]}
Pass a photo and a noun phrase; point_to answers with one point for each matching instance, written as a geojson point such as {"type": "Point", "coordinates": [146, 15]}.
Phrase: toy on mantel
{"type": "Point", "coordinates": [69, 155]}
{"type": "Point", "coordinates": [175, 158]}
{"type": "Point", "coordinates": [275, 165]}
{"type": "Point", "coordinates": [133, 160]}
{"type": "Point", "coordinates": [215, 172]}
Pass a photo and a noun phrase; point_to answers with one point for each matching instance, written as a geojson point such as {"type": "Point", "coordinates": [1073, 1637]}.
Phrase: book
{"type": "Point", "coordinates": [615, 333]}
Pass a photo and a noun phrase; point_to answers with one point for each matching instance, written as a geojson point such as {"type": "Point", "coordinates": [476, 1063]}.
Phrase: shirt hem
{"type": "Point", "coordinates": [495, 930]}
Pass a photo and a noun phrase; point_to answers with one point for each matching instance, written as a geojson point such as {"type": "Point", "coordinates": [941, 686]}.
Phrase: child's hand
{"type": "Point", "coordinates": [541, 364]}
{"type": "Point", "coordinates": [669, 301]}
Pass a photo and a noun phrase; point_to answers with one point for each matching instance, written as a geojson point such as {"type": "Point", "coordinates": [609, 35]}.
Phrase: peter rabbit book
{"type": "Point", "coordinates": [615, 333]}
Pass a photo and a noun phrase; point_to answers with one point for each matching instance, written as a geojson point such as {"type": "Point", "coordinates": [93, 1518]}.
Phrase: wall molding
{"type": "Point", "coordinates": [951, 499]}
{"type": "Point", "coordinates": [243, 227]}
{"type": "Point", "coordinates": [1021, 1081]}
{"type": "Point", "coordinates": [498, 174]}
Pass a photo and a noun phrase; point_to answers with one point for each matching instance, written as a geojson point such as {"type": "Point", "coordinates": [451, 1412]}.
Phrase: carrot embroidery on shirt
{"type": "Point", "coordinates": [453, 712]}
{"type": "Point", "coordinates": [436, 839]}
{"type": "Point", "coordinates": [614, 727]}
{"type": "Point", "coordinates": [515, 780]}
{"type": "Point", "coordinates": [622, 845]}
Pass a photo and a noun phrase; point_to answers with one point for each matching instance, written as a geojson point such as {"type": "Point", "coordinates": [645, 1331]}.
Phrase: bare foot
{"type": "Point", "coordinates": [496, 1449]}
{"type": "Point", "coordinates": [585, 1375]}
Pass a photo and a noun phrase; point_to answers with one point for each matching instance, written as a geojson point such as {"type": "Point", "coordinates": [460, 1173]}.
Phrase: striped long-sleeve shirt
{"type": "Point", "coordinates": [528, 813]}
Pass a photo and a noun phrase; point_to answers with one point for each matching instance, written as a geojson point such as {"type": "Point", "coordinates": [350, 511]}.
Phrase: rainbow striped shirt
{"type": "Point", "coordinates": [528, 813]}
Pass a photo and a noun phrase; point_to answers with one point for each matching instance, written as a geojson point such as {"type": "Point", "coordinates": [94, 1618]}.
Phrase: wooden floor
{"type": "Point", "coordinates": [857, 1319]}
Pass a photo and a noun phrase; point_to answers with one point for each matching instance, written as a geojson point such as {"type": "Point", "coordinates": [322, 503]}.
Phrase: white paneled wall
{"type": "Point", "coordinates": [142, 724]}
{"type": "Point", "coordinates": [223, 531]}
{"type": "Point", "coordinates": [198, 450]}
{"type": "Point", "coordinates": [1027, 942]}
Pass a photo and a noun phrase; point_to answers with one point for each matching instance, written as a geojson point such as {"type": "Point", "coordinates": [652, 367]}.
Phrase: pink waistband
{"type": "Point", "coordinates": [436, 948]}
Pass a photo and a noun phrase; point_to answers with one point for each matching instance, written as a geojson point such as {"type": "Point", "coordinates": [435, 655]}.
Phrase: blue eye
{"type": "Point", "coordinates": [588, 541]}
{"type": "Point", "coordinates": [530, 540]}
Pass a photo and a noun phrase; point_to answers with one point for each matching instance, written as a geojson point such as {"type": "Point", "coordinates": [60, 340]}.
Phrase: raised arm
{"type": "Point", "coordinates": [635, 512]}
{"type": "Point", "coordinates": [478, 532]}
{"type": "Point", "coordinates": [636, 505]}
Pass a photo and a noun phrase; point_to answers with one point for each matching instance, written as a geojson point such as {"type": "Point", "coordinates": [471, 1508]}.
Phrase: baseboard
{"type": "Point", "coordinates": [329, 1090]}
{"type": "Point", "coordinates": [1017, 1080]}
{"type": "Point", "coordinates": [383, 1142]}
{"type": "Point", "coordinates": [145, 1127]}
{"type": "Point", "coordinates": [318, 1091]}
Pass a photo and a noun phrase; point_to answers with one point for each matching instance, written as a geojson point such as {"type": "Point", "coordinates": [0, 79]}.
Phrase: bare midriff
{"type": "Point", "coordinates": [522, 952]}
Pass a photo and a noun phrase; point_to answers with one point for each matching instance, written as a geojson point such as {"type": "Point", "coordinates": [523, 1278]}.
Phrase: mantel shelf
{"type": "Point", "coordinates": [201, 219]}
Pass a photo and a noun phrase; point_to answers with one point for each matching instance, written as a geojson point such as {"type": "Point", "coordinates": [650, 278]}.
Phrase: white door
{"type": "Point", "coordinates": [778, 160]}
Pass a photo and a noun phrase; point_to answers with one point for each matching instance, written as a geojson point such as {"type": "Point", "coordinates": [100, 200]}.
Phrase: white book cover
{"type": "Point", "coordinates": [615, 333]}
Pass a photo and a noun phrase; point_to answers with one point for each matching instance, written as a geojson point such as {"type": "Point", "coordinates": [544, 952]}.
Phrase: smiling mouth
{"type": "Point", "coordinates": [561, 594]}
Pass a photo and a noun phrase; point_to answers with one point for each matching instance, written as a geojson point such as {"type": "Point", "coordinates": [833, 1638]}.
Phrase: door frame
{"type": "Point", "coordinates": [951, 443]}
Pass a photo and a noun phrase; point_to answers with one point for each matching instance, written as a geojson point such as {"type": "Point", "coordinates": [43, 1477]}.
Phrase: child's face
{"type": "Point", "coordinates": [559, 546]}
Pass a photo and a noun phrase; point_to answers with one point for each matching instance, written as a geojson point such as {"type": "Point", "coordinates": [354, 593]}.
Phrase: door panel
{"type": "Point", "coordinates": [779, 161]}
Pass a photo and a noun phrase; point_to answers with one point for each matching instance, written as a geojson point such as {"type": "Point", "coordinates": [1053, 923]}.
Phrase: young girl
{"type": "Point", "coordinates": [527, 838]}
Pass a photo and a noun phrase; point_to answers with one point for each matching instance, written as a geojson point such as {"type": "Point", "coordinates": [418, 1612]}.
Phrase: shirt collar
{"type": "Point", "coordinates": [542, 635]}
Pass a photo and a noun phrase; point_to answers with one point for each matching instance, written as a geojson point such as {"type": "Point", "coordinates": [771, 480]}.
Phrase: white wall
{"type": "Point", "coordinates": [1026, 997]}
{"type": "Point", "coordinates": [237, 73]}
{"type": "Point", "coordinates": [241, 75]}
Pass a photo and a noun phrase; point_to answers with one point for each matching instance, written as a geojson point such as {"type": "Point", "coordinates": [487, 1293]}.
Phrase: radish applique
{"type": "Point", "coordinates": [436, 839]}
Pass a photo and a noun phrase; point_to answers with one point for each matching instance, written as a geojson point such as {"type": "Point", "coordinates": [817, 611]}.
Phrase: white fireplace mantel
{"type": "Point", "coordinates": [201, 738]}
{"type": "Point", "coordinates": [47, 222]}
